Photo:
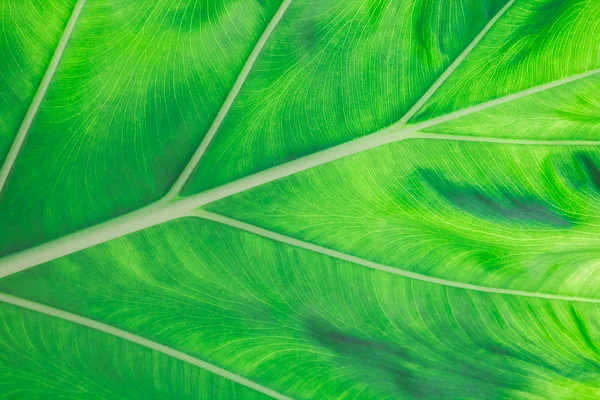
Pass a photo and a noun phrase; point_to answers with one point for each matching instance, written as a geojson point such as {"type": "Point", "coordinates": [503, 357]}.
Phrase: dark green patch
{"type": "Point", "coordinates": [590, 169]}
{"type": "Point", "coordinates": [583, 330]}
{"type": "Point", "coordinates": [535, 31]}
{"type": "Point", "coordinates": [191, 15]}
{"type": "Point", "coordinates": [431, 46]}
{"type": "Point", "coordinates": [440, 41]}
{"type": "Point", "coordinates": [587, 113]}
{"type": "Point", "coordinates": [508, 207]}
{"type": "Point", "coordinates": [418, 367]}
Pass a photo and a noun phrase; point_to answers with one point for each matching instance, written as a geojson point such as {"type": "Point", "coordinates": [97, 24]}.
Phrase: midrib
{"type": "Point", "coordinates": [163, 211]}
{"type": "Point", "coordinates": [171, 207]}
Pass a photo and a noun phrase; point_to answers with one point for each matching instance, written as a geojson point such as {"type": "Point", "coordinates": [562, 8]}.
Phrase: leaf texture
{"type": "Point", "coordinates": [128, 105]}
{"type": "Point", "coordinates": [331, 73]}
{"type": "Point", "coordinates": [519, 217]}
{"type": "Point", "coordinates": [274, 313]}
{"type": "Point", "coordinates": [291, 199]}
{"type": "Point", "coordinates": [26, 53]}
{"type": "Point", "coordinates": [44, 357]}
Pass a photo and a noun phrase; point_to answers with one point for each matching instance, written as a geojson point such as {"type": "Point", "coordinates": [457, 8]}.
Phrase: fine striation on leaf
{"type": "Point", "coordinates": [130, 101]}
{"type": "Point", "coordinates": [416, 215]}
{"type": "Point", "coordinates": [332, 72]}
{"type": "Point", "coordinates": [274, 313]}
{"type": "Point", "coordinates": [536, 41]}
{"type": "Point", "coordinates": [26, 51]}
{"type": "Point", "coordinates": [44, 357]}
{"type": "Point", "coordinates": [484, 213]}
{"type": "Point", "coordinates": [566, 112]}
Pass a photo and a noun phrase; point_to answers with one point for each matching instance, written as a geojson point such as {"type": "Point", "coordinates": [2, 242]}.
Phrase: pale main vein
{"type": "Point", "coordinates": [111, 330]}
{"type": "Point", "coordinates": [214, 127]}
{"type": "Point", "coordinates": [376, 266]}
{"type": "Point", "coordinates": [39, 95]}
{"type": "Point", "coordinates": [160, 212]}
{"type": "Point", "coordinates": [163, 211]}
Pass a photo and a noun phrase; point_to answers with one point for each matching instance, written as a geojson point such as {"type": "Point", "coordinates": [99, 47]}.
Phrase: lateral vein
{"type": "Point", "coordinates": [39, 95]}
{"type": "Point", "coordinates": [376, 266]}
{"type": "Point", "coordinates": [455, 64]}
{"type": "Point", "coordinates": [501, 100]}
{"type": "Point", "coordinates": [214, 127]}
{"type": "Point", "coordinates": [111, 330]}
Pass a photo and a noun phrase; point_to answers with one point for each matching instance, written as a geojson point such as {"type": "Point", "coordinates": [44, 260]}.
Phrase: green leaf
{"type": "Point", "coordinates": [26, 52]}
{"type": "Point", "coordinates": [509, 216]}
{"type": "Point", "coordinates": [297, 199]}
{"type": "Point", "coordinates": [44, 357]}
{"type": "Point", "coordinates": [336, 71]}
{"type": "Point", "coordinates": [130, 100]}
{"type": "Point", "coordinates": [565, 112]}
{"type": "Point", "coordinates": [312, 326]}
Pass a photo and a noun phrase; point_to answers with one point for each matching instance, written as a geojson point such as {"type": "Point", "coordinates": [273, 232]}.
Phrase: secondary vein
{"type": "Point", "coordinates": [214, 127]}
{"type": "Point", "coordinates": [376, 266]}
{"type": "Point", "coordinates": [455, 64]}
{"type": "Point", "coordinates": [111, 330]}
{"type": "Point", "coordinates": [39, 95]}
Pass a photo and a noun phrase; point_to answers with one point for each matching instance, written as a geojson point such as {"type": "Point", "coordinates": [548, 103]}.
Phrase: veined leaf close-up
{"type": "Point", "coordinates": [300, 199]}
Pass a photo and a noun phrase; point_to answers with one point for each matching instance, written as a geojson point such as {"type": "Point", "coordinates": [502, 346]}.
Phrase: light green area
{"type": "Point", "coordinates": [535, 42]}
{"type": "Point", "coordinates": [569, 112]}
{"type": "Point", "coordinates": [29, 33]}
{"type": "Point", "coordinates": [511, 216]}
{"type": "Point", "coordinates": [311, 326]}
{"type": "Point", "coordinates": [42, 357]}
{"type": "Point", "coordinates": [335, 70]}
{"type": "Point", "coordinates": [137, 88]}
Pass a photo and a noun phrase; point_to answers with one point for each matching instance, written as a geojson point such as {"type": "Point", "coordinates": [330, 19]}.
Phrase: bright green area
{"type": "Point", "coordinates": [139, 85]}
{"type": "Point", "coordinates": [136, 90]}
{"type": "Point", "coordinates": [42, 357]}
{"type": "Point", "coordinates": [535, 42]}
{"type": "Point", "coordinates": [29, 33]}
{"type": "Point", "coordinates": [333, 71]}
{"type": "Point", "coordinates": [568, 112]}
{"type": "Point", "coordinates": [311, 326]}
{"type": "Point", "coordinates": [519, 217]}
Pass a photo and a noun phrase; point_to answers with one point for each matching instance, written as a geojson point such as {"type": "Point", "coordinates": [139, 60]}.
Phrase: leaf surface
{"type": "Point", "coordinates": [129, 103]}
{"type": "Point", "coordinates": [299, 200]}
{"type": "Point", "coordinates": [333, 72]}
{"type": "Point", "coordinates": [44, 357]}
{"type": "Point", "coordinates": [26, 52]}
{"type": "Point", "coordinates": [273, 313]}
{"type": "Point", "coordinates": [511, 216]}
{"type": "Point", "coordinates": [534, 43]}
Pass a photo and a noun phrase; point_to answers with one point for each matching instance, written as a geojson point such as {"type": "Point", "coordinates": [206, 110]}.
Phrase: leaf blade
{"type": "Point", "coordinates": [45, 356]}
{"type": "Point", "coordinates": [483, 213]}
{"type": "Point", "coordinates": [129, 103]}
{"type": "Point", "coordinates": [343, 321]}
{"type": "Point", "coordinates": [291, 107]}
